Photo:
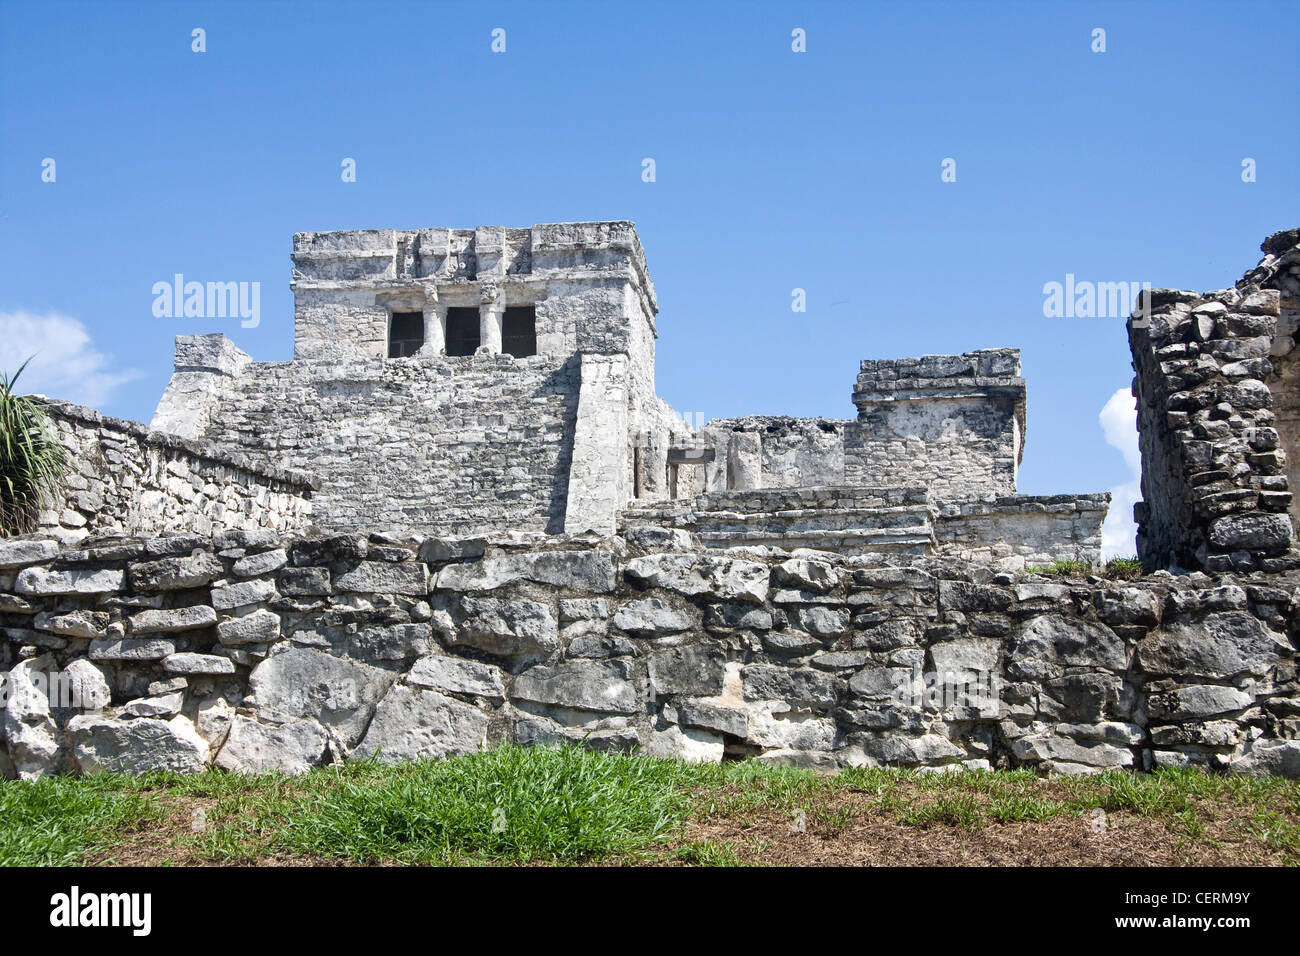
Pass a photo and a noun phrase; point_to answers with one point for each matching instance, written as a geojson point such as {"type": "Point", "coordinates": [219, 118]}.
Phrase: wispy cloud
{"type": "Point", "coordinates": [67, 363]}
{"type": "Point", "coordinates": [1118, 420]}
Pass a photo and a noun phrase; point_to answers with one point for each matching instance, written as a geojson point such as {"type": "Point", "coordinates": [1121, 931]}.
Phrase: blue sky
{"type": "Point", "coordinates": [775, 170]}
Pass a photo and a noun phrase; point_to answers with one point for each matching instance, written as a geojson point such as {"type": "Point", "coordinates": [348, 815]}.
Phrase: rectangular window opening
{"type": "Point", "coordinates": [405, 334]}
{"type": "Point", "coordinates": [519, 331]}
{"type": "Point", "coordinates": [462, 330]}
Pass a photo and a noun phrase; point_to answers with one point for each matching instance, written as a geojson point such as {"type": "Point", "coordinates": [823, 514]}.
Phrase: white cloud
{"type": "Point", "coordinates": [65, 363]}
{"type": "Point", "coordinates": [1118, 420]}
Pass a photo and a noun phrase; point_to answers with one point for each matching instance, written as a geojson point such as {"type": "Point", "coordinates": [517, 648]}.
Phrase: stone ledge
{"type": "Point", "coordinates": [1025, 504]}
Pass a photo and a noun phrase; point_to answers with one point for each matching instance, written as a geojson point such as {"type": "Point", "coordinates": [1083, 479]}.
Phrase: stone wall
{"type": "Point", "coordinates": [955, 423]}
{"type": "Point", "coordinates": [892, 519]}
{"type": "Point", "coordinates": [1279, 271]}
{"type": "Point", "coordinates": [1008, 533]}
{"type": "Point", "coordinates": [1022, 531]}
{"type": "Point", "coordinates": [457, 445]}
{"type": "Point", "coordinates": [765, 451]}
{"type": "Point", "coordinates": [126, 479]}
{"type": "Point", "coordinates": [257, 652]}
{"type": "Point", "coordinates": [1214, 466]}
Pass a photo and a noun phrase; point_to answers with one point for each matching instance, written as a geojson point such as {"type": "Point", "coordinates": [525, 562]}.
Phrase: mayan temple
{"type": "Point", "coordinates": [479, 381]}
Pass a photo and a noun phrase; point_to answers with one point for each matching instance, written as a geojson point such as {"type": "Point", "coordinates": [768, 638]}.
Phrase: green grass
{"type": "Point", "coordinates": [56, 821]}
{"type": "Point", "coordinates": [1071, 568]}
{"type": "Point", "coordinates": [569, 806]}
{"type": "Point", "coordinates": [708, 853]}
{"type": "Point", "coordinates": [1124, 569]}
{"type": "Point", "coordinates": [1116, 569]}
{"type": "Point", "coordinates": [950, 809]}
{"type": "Point", "coordinates": [508, 805]}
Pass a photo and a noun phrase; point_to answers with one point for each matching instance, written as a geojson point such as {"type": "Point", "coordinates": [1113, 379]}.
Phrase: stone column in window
{"type": "Point", "coordinates": [492, 306]}
{"type": "Point", "coordinates": [435, 329]}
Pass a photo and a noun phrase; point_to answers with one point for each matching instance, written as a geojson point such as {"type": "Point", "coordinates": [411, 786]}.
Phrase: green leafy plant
{"type": "Point", "coordinates": [1124, 569]}
{"type": "Point", "coordinates": [32, 462]}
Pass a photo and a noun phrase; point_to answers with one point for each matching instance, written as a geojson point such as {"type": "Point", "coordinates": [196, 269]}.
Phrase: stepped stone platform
{"type": "Point", "coordinates": [1009, 531]}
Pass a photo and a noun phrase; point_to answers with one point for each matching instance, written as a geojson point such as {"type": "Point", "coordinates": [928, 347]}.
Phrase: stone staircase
{"type": "Point", "coordinates": [844, 520]}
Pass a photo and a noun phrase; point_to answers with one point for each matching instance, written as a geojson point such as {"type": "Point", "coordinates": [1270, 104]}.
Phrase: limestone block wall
{"type": "Point", "coordinates": [447, 445]}
{"type": "Point", "coordinates": [455, 445]}
{"type": "Point", "coordinates": [955, 423]}
{"type": "Point", "coordinates": [588, 282]}
{"type": "Point", "coordinates": [1014, 532]}
{"type": "Point", "coordinates": [1279, 271]}
{"type": "Point", "coordinates": [843, 520]}
{"type": "Point", "coordinates": [127, 479]}
{"type": "Point", "coordinates": [1214, 465]}
{"type": "Point", "coordinates": [1008, 533]}
{"type": "Point", "coordinates": [952, 422]}
{"type": "Point", "coordinates": [763, 451]}
{"type": "Point", "coordinates": [253, 651]}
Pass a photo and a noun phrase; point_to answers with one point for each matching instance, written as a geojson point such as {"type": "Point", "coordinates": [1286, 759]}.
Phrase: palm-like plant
{"type": "Point", "coordinates": [32, 462]}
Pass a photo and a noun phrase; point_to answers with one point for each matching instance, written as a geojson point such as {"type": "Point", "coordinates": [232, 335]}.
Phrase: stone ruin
{"type": "Point", "coordinates": [461, 382]}
{"type": "Point", "coordinates": [461, 516]}
{"type": "Point", "coordinates": [1218, 415]}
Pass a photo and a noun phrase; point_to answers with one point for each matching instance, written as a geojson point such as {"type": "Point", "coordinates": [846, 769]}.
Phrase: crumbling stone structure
{"type": "Point", "coordinates": [126, 479]}
{"type": "Point", "coordinates": [454, 381]}
{"type": "Point", "coordinates": [1217, 419]}
{"type": "Point", "coordinates": [927, 468]}
{"type": "Point", "coordinates": [954, 423]}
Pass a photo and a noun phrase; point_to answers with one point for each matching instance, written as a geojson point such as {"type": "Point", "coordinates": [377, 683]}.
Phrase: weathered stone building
{"type": "Point", "coordinates": [448, 380]}
{"type": "Point", "coordinates": [474, 381]}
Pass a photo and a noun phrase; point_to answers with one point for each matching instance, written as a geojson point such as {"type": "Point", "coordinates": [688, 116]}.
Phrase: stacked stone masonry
{"type": "Point", "coordinates": [252, 651]}
{"type": "Point", "coordinates": [955, 423]}
{"type": "Point", "coordinates": [460, 446]}
{"type": "Point", "coordinates": [1010, 532]}
{"type": "Point", "coordinates": [127, 479]}
{"type": "Point", "coordinates": [1279, 271]}
{"type": "Point", "coordinates": [1216, 395]}
{"type": "Point", "coordinates": [436, 440]}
